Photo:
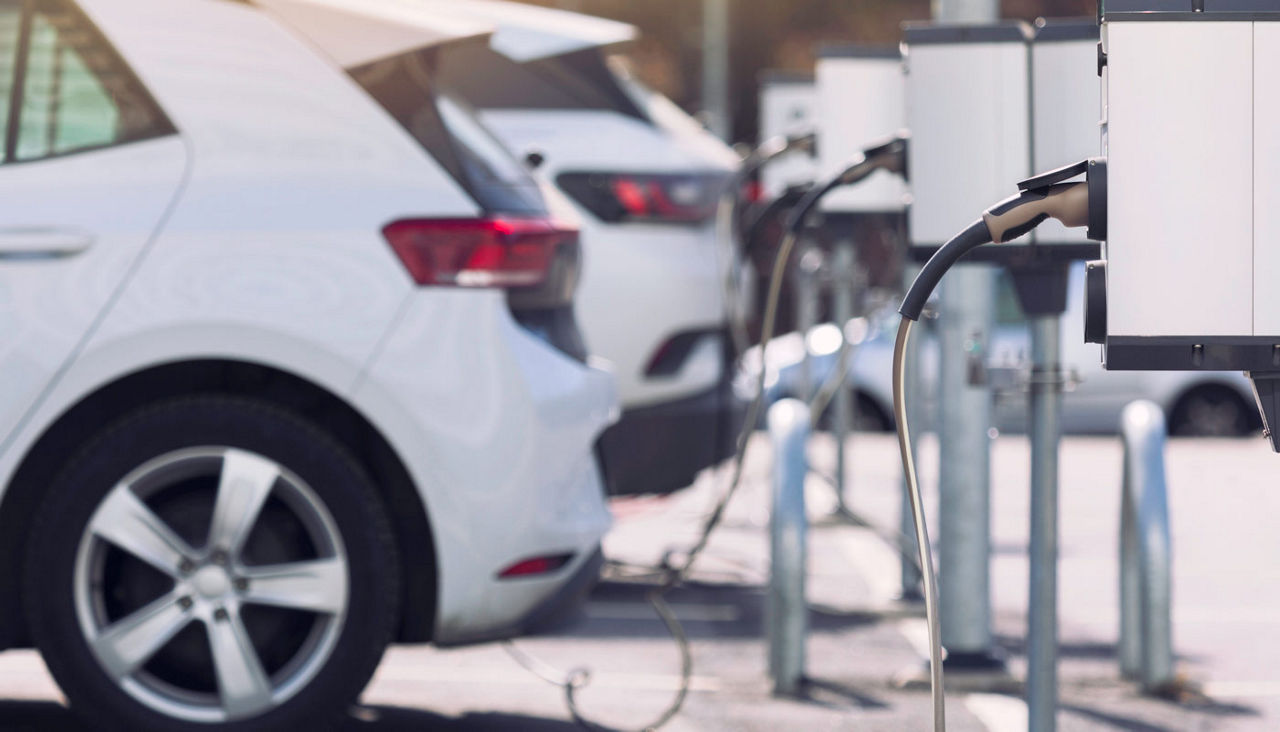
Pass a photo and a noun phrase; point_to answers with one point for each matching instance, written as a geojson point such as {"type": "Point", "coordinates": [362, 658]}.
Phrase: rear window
{"type": "Point", "coordinates": [447, 128]}
{"type": "Point", "coordinates": [580, 80]}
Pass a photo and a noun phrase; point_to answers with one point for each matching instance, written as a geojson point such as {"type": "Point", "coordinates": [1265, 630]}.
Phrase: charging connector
{"type": "Point", "coordinates": [1045, 196]}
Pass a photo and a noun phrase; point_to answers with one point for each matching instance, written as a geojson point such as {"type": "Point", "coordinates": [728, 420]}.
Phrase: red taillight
{"type": "Point", "coordinates": [678, 198]}
{"type": "Point", "coordinates": [535, 566]}
{"type": "Point", "coordinates": [663, 198]}
{"type": "Point", "coordinates": [491, 252]}
{"type": "Point", "coordinates": [753, 191]}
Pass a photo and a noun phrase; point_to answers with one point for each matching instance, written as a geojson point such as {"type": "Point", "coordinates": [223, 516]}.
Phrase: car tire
{"type": "Point", "coordinates": [1211, 410]}
{"type": "Point", "coordinates": [269, 611]}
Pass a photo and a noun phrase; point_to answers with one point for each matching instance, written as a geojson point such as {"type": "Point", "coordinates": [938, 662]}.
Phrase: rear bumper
{"type": "Point", "coordinates": [559, 609]}
{"type": "Point", "coordinates": [661, 449]}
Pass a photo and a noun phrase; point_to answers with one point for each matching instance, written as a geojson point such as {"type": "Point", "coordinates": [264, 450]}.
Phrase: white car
{"type": "Point", "coordinates": [268, 401]}
{"type": "Point", "coordinates": [645, 178]}
{"type": "Point", "coordinates": [1208, 403]}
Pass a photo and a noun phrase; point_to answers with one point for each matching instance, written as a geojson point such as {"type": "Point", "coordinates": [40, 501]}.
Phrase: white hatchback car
{"type": "Point", "coordinates": [645, 178]}
{"type": "Point", "coordinates": [289, 363]}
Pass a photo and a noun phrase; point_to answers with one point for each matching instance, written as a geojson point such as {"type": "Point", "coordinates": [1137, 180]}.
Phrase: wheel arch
{"type": "Point", "coordinates": [79, 422]}
{"type": "Point", "coordinates": [1188, 388]}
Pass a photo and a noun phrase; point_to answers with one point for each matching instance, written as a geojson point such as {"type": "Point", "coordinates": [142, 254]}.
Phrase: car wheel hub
{"type": "Point", "coordinates": [219, 543]}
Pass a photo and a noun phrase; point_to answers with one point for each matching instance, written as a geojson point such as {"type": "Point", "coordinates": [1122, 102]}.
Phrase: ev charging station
{"type": "Point", "coordinates": [788, 106]}
{"type": "Point", "coordinates": [967, 109]}
{"type": "Point", "coordinates": [859, 101]}
{"type": "Point", "coordinates": [989, 105]}
{"type": "Point", "coordinates": [859, 97]}
{"type": "Point", "coordinates": [1191, 131]}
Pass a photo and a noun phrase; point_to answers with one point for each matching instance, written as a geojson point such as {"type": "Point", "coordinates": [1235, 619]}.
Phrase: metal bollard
{"type": "Point", "coordinates": [808, 274]}
{"type": "Point", "coordinates": [1146, 626]}
{"type": "Point", "coordinates": [844, 282]}
{"type": "Point", "coordinates": [786, 612]}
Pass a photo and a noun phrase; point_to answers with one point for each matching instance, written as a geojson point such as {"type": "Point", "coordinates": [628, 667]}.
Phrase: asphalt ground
{"type": "Point", "coordinates": [864, 644]}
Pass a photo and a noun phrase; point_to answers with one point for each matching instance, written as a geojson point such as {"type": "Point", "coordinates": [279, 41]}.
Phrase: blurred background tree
{"type": "Point", "coordinates": [768, 34]}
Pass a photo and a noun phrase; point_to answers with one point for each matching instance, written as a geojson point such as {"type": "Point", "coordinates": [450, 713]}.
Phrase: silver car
{"type": "Point", "coordinates": [1211, 403]}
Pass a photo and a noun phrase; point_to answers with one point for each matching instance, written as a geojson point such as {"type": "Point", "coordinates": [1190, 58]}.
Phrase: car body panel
{"type": "Point", "coordinates": [272, 254]}
{"type": "Point", "coordinates": [357, 32]}
{"type": "Point", "coordinates": [113, 200]}
{"type": "Point", "coordinates": [528, 32]}
{"type": "Point", "coordinates": [641, 283]}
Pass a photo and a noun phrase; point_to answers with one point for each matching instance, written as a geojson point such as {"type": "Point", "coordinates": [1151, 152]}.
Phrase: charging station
{"type": "Point", "coordinates": [860, 99]}
{"type": "Point", "coordinates": [788, 106]}
{"type": "Point", "coordinates": [988, 105]}
{"type": "Point", "coordinates": [1188, 278]}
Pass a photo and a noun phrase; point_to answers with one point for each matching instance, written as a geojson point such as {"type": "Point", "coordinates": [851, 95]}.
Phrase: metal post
{"type": "Point", "coordinates": [715, 67]}
{"type": "Point", "coordinates": [1146, 627]}
{"type": "Point", "coordinates": [1042, 620]}
{"type": "Point", "coordinates": [968, 307]}
{"type": "Point", "coordinates": [786, 612]}
{"type": "Point", "coordinates": [964, 515]}
{"type": "Point", "coordinates": [808, 271]}
{"type": "Point", "coordinates": [844, 280]}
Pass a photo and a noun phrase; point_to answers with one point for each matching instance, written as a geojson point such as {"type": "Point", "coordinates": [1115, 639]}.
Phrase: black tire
{"type": "Point", "coordinates": [355, 640]}
{"type": "Point", "coordinates": [1212, 410]}
{"type": "Point", "coordinates": [867, 415]}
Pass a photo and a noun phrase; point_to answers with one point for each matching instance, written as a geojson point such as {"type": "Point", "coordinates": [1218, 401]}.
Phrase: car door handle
{"type": "Point", "coordinates": [42, 243]}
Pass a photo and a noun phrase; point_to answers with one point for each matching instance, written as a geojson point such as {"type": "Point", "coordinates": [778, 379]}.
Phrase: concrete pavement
{"type": "Point", "coordinates": [1223, 508]}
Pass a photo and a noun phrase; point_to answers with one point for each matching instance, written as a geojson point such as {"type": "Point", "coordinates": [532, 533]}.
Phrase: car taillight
{"type": "Point", "coordinates": [534, 566]}
{"type": "Point", "coordinates": [678, 198]}
{"type": "Point", "coordinates": [488, 252]}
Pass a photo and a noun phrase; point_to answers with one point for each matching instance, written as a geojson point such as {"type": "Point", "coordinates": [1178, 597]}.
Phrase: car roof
{"type": "Point", "coordinates": [529, 32]}
{"type": "Point", "coordinates": [357, 32]}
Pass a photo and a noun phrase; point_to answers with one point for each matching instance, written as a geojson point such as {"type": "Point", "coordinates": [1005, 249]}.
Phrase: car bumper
{"type": "Point", "coordinates": [661, 448]}
{"type": "Point", "coordinates": [497, 431]}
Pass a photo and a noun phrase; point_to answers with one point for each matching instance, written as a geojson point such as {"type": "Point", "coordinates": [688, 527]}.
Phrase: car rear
{"type": "Point", "coordinates": [645, 179]}
{"type": "Point", "coordinates": [524, 571]}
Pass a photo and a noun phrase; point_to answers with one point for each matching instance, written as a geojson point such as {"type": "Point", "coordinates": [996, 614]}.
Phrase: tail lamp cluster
{"type": "Point", "coordinates": [676, 198]}
{"type": "Point", "coordinates": [485, 252]}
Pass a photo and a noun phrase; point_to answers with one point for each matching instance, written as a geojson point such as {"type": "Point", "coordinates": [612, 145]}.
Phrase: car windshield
{"type": "Point", "coordinates": [449, 130]}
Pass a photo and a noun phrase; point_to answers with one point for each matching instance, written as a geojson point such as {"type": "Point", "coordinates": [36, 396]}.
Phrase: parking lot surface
{"type": "Point", "coordinates": [864, 643]}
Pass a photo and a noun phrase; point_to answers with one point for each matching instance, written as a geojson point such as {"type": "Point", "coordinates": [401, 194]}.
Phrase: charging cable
{"type": "Point", "coordinates": [891, 156]}
{"type": "Point", "coordinates": [729, 219]}
{"type": "Point", "coordinates": [1041, 198]}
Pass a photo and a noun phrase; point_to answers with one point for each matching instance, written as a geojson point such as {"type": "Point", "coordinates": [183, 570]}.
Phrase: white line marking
{"type": "Point", "coordinates": [997, 712]}
{"type": "Point", "coordinates": [916, 631]}
{"type": "Point", "coordinates": [877, 564]}
{"type": "Point", "coordinates": [1242, 689]}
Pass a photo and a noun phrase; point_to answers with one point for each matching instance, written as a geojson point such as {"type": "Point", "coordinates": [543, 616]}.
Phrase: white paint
{"type": "Point", "coordinates": [860, 102]}
{"type": "Point", "coordinates": [967, 107]}
{"type": "Point", "coordinates": [1065, 113]}
{"type": "Point", "coordinates": [528, 32]}
{"type": "Point", "coordinates": [1180, 178]}
{"type": "Point", "coordinates": [787, 107]}
{"type": "Point", "coordinates": [999, 713]}
{"type": "Point", "coordinates": [1266, 178]}
{"type": "Point", "coordinates": [276, 190]}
